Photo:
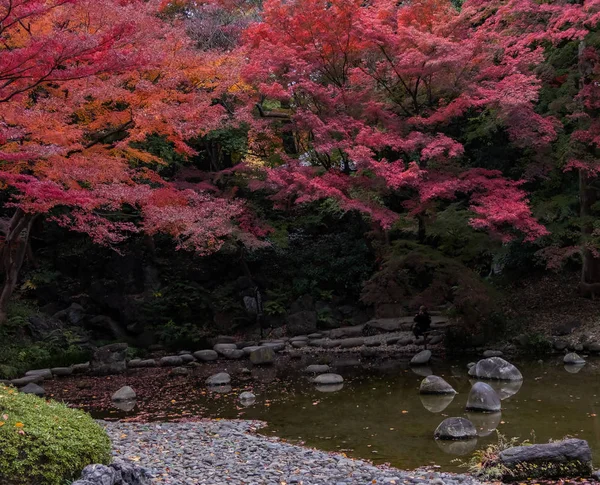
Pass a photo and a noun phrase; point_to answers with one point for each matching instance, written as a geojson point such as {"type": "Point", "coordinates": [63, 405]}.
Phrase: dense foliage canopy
{"type": "Point", "coordinates": [218, 122]}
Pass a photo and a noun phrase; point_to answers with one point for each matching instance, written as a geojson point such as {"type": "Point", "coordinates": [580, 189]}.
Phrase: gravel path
{"type": "Point", "coordinates": [227, 452]}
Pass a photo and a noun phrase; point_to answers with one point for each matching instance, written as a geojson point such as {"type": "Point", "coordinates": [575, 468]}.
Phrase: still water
{"type": "Point", "coordinates": [379, 414]}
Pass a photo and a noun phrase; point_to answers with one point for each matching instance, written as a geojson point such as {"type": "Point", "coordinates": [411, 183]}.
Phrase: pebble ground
{"type": "Point", "coordinates": [224, 452]}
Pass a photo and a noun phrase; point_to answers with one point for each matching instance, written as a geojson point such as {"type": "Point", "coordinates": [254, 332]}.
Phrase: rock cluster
{"type": "Point", "coordinates": [117, 473]}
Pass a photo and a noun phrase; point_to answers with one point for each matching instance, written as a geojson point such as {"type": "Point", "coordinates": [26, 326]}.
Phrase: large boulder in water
{"type": "Point", "coordinates": [495, 368]}
{"type": "Point", "coordinates": [435, 385]}
{"type": "Point", "coordinates": [455, 429]}
{"type": "Point", "coordinates": [567, 458]}
{"type": "Point", "coordinates": [483, 398]}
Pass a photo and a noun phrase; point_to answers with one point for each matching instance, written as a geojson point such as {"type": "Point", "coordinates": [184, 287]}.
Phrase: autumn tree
{"type": "Point", "coordinates": [82, 83]}
{"type": "Point", "coordinates": [375, 91]}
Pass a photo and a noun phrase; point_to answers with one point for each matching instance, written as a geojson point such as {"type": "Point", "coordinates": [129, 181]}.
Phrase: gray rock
{"type": "Point", "coordinates": [81, 368]}
{"type": "Point", "coordinates": [62, 371]}
{"type": "Point", "coordinates": [23, 381]}
{"type": "Point", "coordinates": [43, 373]}
{"type": "Point", "coordinates": [330, 344]}
{"type": "Point", "coordinates": [436, 339]}
{"type": "Point", "coordinates": [560, 344]}
{"type": "Point", "coordinates": [470, 365]}
{"type": "Point", "coordinates": [223, 339]}
{"type": "Point", "coordinates": [262, 356]}
{"type": "Point", "coordinates": [187, 358]}
{"type": "Point", "coordinates": [100, 475]}
{"type": "Point", "coordinates": [422, 358]}
{"type": "Point", "coordinates": [348, 343]}
{"type": "Point", "coordinates": [247, 398]}
{"type": "Point", "coordinates": [403, 342]}
{"type": "Point", "coordinates": [347, 332]}
{"type": "Point", "coordinates": [573, 359]}
{"type": "Point", "coordinates": [34, 389]}
{"type": "Point", "coordinates": [492, 353]}
{"type": "Point", "coordinates": [315, 335]}
{"type": "Point", "coordinates": [126, 393]}
{"type": "Point", "coordinates": [250, 349]}
{"type": "Point", "coordinates": [496, 368]}
{"type": "Point", "coordinates": [180, 371]}
{"type": "Point", "coordinates": [233, 354]}
{"type": "Point", "coordinates": [206, 355]}
{"type": "Point", "coordinates": [134, 363]}
{"type": "Point", "coordinates": [298, 344]}
{"type": "Point", "coordinates": [276, 346]}
{"type": "Point", "coordinates": [219, 348]}
{"type": "Point", "coordinates": [483, 398]}
{"type": "Point", "coordinates": [317, 369]}
{"type": "Point", "coordinates": [110, 359]}
{"type": "Point", "coordinates": [328, 379]}
{"type": "Point", "coordinates": [455, 429]}
{"type": "Point", "coordinates": [148, 363]}
{"type": "Point", "coordinates": [302, 322]}
{"type": "Point", "coordinates": [171, 360]}
{"type": "Point", "coordinates": [592, 347]}
{"type": "Point", "coordinates": [131, 474]}
{"type": "Point", "coordinates": [435, 385]}
{"type": "Point", "coordinates": [573, 452]}
{"type": "Point", "coordinates": [220, 379]}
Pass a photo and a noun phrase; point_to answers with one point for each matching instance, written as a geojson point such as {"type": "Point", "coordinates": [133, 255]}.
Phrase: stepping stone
{"type": "Point", "coordinates": [62, 371]}
{"type": "Point", "coordinates": [262, 356]}
{"type": "Point", "coordinates": [317, 369]}
{"type": "Point", "coordinates": [219, 348]}
{"type": "Point", "coordinates": [206, 355]}
{"type": "Point", "coordinates": [422, 358]}
{"type": "Point", "coordinates": [573, 359]}
{"type": "Point", "coordinates": [349, 343]}
{"type": "Point", "coordinates": [44, 373]}
{"type": "Point", "coordinates": [220, 379]}
{"type": "Point", "coordinates": [483, 398]}
{"type": "Point", "coordinates": [171, 360]}
{"type": "Point", "coordinates": [455, 429]}
{"type": "Point", "coordinates": [126, 393]}
{"type": "Point", "coordinates": [435, 385]}
{"type": "Point", "coordinates": [328, 379]}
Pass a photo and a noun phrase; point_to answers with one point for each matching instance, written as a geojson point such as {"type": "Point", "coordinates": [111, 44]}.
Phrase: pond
{"type": "Point", "coordinates": [378, 414]}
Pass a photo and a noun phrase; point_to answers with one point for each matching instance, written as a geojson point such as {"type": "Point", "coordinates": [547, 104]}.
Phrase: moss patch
{"type": "Point", "coordinates": [45, 442]}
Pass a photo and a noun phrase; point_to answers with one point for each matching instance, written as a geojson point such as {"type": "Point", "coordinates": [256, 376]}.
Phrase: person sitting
{"type": "Point", "coordinates": [422, 322]}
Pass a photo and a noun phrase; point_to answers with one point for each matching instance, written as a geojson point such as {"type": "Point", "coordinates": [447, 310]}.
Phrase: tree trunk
{"type": "Point", "coordinates": [12, 256]}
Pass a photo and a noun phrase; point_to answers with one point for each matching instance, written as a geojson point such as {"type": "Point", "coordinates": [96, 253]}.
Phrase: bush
{"type": "Point", "coordinates": [46, 443]}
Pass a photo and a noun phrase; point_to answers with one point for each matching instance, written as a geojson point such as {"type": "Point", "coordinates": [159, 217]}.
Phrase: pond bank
{"type": "Point", "coordinates": [219, 452]}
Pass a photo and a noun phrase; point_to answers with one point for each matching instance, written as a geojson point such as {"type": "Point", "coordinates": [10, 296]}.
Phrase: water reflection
{"type": "Point", "coordinates": [485, 423]}
{"type": "Point", "coordinates": [436, 403]}
{"type": "Point", "coordinates": [330, 387]}
{"type": "Point", "coordinates": [459, 448]}
{"type": "Point", "coordinates": [125, 405]}
{"type": "Point", "coordinates": [574, 368]}
{"type": "Point", "coordinates": [504, 389]}
{"type": "Point", "coordinates": [422, 371]}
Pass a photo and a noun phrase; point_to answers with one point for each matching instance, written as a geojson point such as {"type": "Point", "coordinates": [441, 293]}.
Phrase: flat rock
{"type": "Point", "coordinates": [187, 358]}
{"type": "Point", "coordinates": [220, 379]}
{"type": "Point", "coordinates": [219, 348]}
{"type": "Point", "coordinates": [262, 356]}
{"type": "Point", "coordinates": [23, 381]}
{"type": "Point", "coordinates": [250, 349]}
{"type": "Point", "coordinates": [347, 332]}
{"type": "Point", "coordinates": [330, 344]}
{"type": "Point", "coordinates": [492, 353]}
{"type": "Point", "coordinates": [298, 344]}
{"type": "Point", "coordinates": [573, 359]}
{"type": "Point", "coordinates": [317, 369]}
{"type": "Point", "coordinates": [348, 343]}
{"type": "Point", "coordinates": [180, 371]}
{"type": "Point", "coordinates": [422, 358]}
{"type": "Point", "coordinates": [148, 363]}
{"type": "Point", "coordinates": [233, 354]}
{"type": "Point", "coordinates": [436, 339]}
{"type": "Point", "coordinates": [276, 346]}
{"type": "Point", "coordinates": [171, 360]}
{"type": "Point", "coordinates": [34, 389]}
{"type": "Point", "coordinates": [81, 368]}
{"type": "Point", "coordinates": [328, 379]}
{"type": "Point", "coordinates": [483, 398]}
{"type": "Point", "coordinates": [43, 373]}
{"type": "Point", "coordinates": [126, 393]}
{"type": "Point", "coordinates": [496, 368]}
{"type": "Point", "coordinates": [315, 335]}
{"type": "Point", "coordinates": [435, 385]}
{"type": "Point", "coordinates": [455, 429]}
{"type": "Point", "coordinates": [62, 371]}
